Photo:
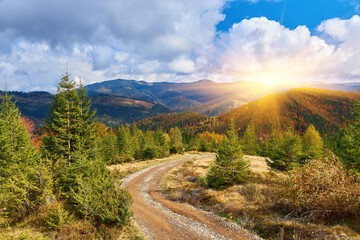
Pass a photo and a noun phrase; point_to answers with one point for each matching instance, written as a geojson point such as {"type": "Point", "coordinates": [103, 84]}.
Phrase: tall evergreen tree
{"type": "Point", "coordinates": [125, 143]}
{"type": "Point", "coordinates": [350, 154]}
{"type": "Point", "coordinates": [25, 182]}
{"type": "Point", "coordinates": [69, 134]}
{"type": "Point", "coordinates": [176, 141]}
{"type": "Point", "coordinates": [286, 154]}
{"type": "Point", "coordinates": [229, 167]}
{"type": "Point", "coordinates": [312, 144]}
{"type": "Point", "coordinates": [250, 141]}
{"type": "Point", "coordinates": [84, 181]}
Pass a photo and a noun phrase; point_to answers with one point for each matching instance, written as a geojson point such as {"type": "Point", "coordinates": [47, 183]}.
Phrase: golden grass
{"type": "Point", "coordinates": [250, 204]}
{"type": "Point", "coordinates": [125, 169]}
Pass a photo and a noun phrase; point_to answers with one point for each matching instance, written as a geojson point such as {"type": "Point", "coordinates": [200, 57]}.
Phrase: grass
{"type": "Point", "coordinates": [125, 169]}
{"type": "Point", "coordinates": [253, 205]}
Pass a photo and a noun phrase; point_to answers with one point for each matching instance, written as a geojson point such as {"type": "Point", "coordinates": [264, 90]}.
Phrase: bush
{"type": "Point", "coordinates": [26, 190]}
{"type": "Point", "coordinates": [54, 216]}
{"type": "Point", "coordinates": [149, 153]}
{"type": "Point", "coordinates": [97, 198]}
{"type": "Point", "coordinates": [322, 190]}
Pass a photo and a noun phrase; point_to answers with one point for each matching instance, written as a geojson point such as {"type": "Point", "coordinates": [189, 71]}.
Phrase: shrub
{"type": "Point", "coordinates": [26, 190]}
{"type": "Point", "coordinates": [97, 198]}
{"type": "Point", "coordinates": [149, 153]}
{"type": "Point", "coordinates": [322, 190]}
{"type": "Point", "coordinates": [54, 216]}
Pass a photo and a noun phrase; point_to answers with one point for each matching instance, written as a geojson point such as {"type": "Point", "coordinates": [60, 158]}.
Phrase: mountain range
{"type": "Point", "coordinates": [126, 101]}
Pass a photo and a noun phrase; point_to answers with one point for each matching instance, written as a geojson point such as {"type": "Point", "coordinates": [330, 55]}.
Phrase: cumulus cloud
{"type": "Point", "coordinates": [146, 34]}
{"type": "Point", "coordinates": [259, 49]}
{"type": "Point", "coordinates": [164, 41]}
{"type": "Point", "coordinates": [182, 65]}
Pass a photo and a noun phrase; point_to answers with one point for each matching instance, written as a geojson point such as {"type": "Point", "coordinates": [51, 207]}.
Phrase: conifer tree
{"type": "Point", "coordinates": [286, 154]}
{"type": "Point", "coordinates": [312, 144]}
{"type": "Point", "coordinates": [25, 182]}
{"type": "Point", "coordinates": [69, 126]}
{"type": "Point", "coordinates": [84, 181]}
{"type": "Point", "coordinates": [350, 154]}
{"type": "Point", "coordinates": [176, 141]}
{"type": "Point", "coordinates": [125, 143]}
{"type": "Point", "coordinates": [229, 167]}
{"type": "Point", "coordinates": [109, 148]}
{"type": "Point", "coordinates": [162, 143]}
{"type": "Point", "coordinates": [250, 141]}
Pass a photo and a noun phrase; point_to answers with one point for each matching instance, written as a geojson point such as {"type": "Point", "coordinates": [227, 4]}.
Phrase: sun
{"type": "Point", "coordinates": [270, 82]}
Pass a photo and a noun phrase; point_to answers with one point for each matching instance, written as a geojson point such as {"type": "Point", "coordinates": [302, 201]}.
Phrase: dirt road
{"type": "Point", "coordinates": [160, 218]}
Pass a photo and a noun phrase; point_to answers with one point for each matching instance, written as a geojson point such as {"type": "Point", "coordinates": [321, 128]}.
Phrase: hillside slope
{"type": "Point", "coordinates": [327, 110]}
{"type": "Point", "coordinates": [111, 110]}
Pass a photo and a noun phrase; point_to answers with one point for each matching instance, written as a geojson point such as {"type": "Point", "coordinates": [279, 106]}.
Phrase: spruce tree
{"type": "Point", "coordinates": [229, 167]}
{"type": "Point", "coordinates": [84, 181]}
{"type": "Point", "coordinates": [312, 144]}
{"type": "Point", "coordinates": [25, 182]}
{"type": "Point", "coordinates": [250, 141]}
{"type": "Point", "coordinates": [350, 154]}
{"type": "Point", "coordinates": [109, 148]}
{"type": "Point", "coordinates": [69, 131]}
{"type": "Point", "coordinates": [287, 153]}
{"type": "Point", "coordinates": [125, 143]}
{"type": "Point", "coordinates": [176, 141]}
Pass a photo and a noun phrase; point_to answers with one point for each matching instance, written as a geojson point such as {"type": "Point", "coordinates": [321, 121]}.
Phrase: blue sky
{"type": "Point", "coordinates": [290, 13]}
{"type": "Point", "coordinates": [178, 41]}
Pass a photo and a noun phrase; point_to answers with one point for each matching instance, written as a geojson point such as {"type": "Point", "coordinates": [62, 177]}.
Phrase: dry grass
{"type": "Point", "coordinates": [252, 205]}
{"type": "Point", "coordinates": [125, 169]}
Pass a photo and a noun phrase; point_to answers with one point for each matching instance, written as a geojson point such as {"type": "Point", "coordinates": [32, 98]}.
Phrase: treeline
{"type": "Point", "coordinates": [127, 143]}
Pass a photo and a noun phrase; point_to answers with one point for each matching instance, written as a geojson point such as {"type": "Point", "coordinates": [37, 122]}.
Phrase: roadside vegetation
{"type": "Point", "coordinates": [297, 190]}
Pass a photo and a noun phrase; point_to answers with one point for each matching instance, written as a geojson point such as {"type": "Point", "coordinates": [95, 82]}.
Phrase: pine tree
{"type": "Point", "coordinates": [162, 142]}
{"type": "Point", "coordinates": [69, 132]}
{"type": "Point", "coordinates": [84, 181]}
{"type": "Point", "coordinates": [109, 148]}
{"type": "Point", "coordinates": [176, 141]}
{"type": "Point", "coordinates": [286, 153]}
{"type": "Point", "coordinates": [125, 143]}
{"type": "Point", "coordinates": [250, 141]}
{"type": "Point", "coordinates": [350, 154]}
{"type": "Point", "coordinates": [312, 144]}
{"type": "Point", "coordinates": [25, 182]}
{"type": "Point", "coordinates": [229, 167]}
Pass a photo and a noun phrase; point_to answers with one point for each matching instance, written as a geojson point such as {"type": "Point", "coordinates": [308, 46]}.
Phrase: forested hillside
{"type": "Point", "coordinates": [327, 110]}
{"type": "Point", "coordinates": [111, 110]}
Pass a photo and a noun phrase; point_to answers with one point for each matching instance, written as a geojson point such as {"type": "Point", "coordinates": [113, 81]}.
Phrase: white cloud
{"type": "Point", "coordinates": [182, 65]}
{"type": "Point", "coordinates": [164, 41]}
{"type": "Point", "coordinates": [259, 49]}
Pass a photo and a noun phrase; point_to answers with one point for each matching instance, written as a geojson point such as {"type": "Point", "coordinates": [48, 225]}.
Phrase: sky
{"type": "Point", "coordinates": [266, 41]}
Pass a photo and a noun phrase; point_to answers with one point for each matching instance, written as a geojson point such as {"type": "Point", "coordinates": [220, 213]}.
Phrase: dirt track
{"type": "Point", "coordinates": [160, 218]}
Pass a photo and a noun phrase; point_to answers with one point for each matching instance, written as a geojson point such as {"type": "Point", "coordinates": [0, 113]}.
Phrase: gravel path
{"type": "Point", "coordinates": [160, 218]}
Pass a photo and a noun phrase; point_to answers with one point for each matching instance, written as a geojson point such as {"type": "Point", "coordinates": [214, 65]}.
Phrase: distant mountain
{"type": "Point", "coordinates": [204, 96]}
{"type": "Point", "coordinates": [327, 110]}
{"type": "Point", "coordinates": [111, 110]}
